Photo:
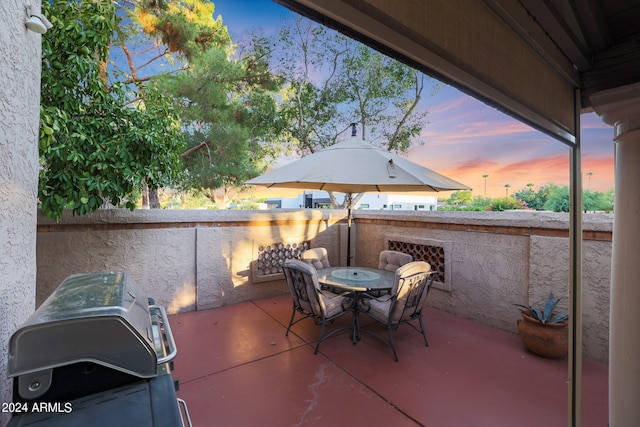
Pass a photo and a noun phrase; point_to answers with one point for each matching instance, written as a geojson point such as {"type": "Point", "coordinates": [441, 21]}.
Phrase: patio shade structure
{"type": "Point", "coordinates": [355, 166]}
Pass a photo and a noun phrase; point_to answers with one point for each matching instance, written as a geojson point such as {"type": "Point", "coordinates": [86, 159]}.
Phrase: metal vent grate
{"type": "Point", "coordinates": [272, 256]}
{"type": "Point", "coordinates": [434, 255]}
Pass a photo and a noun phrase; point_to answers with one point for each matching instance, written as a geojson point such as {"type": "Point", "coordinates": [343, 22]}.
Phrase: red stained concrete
{"type": "Point", "coordinates": [237, 368]}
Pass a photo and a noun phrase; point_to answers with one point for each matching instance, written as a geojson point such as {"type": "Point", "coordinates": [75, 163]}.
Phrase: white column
{"type": "Point", "coordinates": [621, 109]}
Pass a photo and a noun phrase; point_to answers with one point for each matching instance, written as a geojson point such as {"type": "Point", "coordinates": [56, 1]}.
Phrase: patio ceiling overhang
{"type": "Point", "coordinates": [537, 61]}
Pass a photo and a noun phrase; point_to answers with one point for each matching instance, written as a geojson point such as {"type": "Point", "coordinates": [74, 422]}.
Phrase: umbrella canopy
{"type": "Point", "coordinates": [354, 166]}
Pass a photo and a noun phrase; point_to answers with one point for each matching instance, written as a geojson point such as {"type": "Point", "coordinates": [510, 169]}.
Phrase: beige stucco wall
{"type": "Point", "coordinates": [192, 260]}
{"type": "Point", "coordinates": [19, 114]}
{"type": "Point", "coordinates": [496, 259]}
{"type": "Point", "coordinates": [550, 273]}
{"type": "Point", "coordinates": [187, 260]}
{"type": "Point", "coordinates": [487, 272]}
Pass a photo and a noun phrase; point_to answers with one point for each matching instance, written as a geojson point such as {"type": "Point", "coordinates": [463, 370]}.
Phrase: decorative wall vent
{"type": "Point", "coordinates": [272, 256]}
{"type": "Point", "coordinates": [434, 255]}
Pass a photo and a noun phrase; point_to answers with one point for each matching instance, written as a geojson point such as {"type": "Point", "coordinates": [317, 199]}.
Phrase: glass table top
{"type": "Point", "coordinates": [358, 279]}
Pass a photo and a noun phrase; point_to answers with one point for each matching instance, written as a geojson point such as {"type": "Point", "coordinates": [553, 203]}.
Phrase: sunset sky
{"type": "Point", "coordinates": [466, 139]}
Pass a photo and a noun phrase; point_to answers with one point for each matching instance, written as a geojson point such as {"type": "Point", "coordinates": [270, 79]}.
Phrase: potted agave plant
{"type": "Point", "coordinates": [544, 331]}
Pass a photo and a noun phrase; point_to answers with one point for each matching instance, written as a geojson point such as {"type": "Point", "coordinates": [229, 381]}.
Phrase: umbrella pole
{"type": "Point", "coordinates": [349, 236]}
{"type": "Point", "coordinates": [348, 199]}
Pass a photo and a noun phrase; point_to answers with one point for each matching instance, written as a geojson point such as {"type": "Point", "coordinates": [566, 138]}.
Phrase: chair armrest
{"type": "Point", "coordinates": [331, 295]}
{"type": "Point", "coordinates": [381, 298]}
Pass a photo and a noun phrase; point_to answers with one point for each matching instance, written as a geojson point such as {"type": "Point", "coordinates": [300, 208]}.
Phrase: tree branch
{"type": "Point", "coordinates": [419, 87]}
{"type": "Point", "coordinates": [198, 147]}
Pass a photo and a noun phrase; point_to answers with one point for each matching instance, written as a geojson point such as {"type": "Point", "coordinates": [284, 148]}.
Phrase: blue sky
{"type": "Point", "coordinates": [466, 139]}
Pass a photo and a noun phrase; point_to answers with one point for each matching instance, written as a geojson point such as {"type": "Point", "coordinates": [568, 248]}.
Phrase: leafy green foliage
{"type": "Point", "coordinates": [480, 203]}
{"type": "Point", "coordinates": [506, 203]}
{"type": "Point", "coordinates": [529, 196]}
{"type": "Point", "coordinates": [383, 95]}
{"type": "Point", "coordinates": [332, 81]}
{"type": "Point", "coordinates": [184, 27]}
{"type": "Point", "coordinates": [308, 57]}
{"type": "Point", "coordinates": [557, 198]}
{"type": "Point", "coordinates": [463, 201]}
{"type": "Point", "coordinates": [598, 201]}
{"type": "Point", "coordinates": [227, 108]}
{"type": "Point", "coordinates": [550, 197]}
{"type": "Point", "coordinates": [159, 38]}
{"type": "Point", "coordinates": [460, 198]}
{"type": "Point", "coordinates": [547, 314]}
{"type": "Point", "coordinates": [94, 147]}
{"type": "Point", "coordinates": [224, 98]}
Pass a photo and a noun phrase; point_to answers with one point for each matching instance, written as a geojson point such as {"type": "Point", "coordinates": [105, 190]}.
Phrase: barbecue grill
{"type": "Point", "coordinates": [97, 352]}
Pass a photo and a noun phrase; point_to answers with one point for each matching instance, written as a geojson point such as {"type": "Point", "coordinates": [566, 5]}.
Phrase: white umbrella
{"type": "Point", "coordinates": [354, 166]}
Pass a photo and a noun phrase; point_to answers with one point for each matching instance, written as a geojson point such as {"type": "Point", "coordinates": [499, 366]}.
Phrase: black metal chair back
{"type": "Point", "coordinates": [310, 301]}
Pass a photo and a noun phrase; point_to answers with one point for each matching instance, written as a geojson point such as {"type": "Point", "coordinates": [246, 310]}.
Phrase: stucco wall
{"type": "Point", "coordinates": [187, 260]}
{"type": "Point", "coordinates": [192, 260]}
{"type": "Point", "coordinates": [496, 259]}
{"type": "Point", "coordinates": [550, 273]}
{"type": "Point", "coordinates": [19, 114]}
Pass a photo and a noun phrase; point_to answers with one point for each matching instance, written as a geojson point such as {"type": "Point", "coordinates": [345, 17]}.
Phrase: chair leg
{"type": "Point", "coordinates": [319, 338]}
{"type": "Point", "coordinates": [393, 346]}
{"type": "Point", "coordinates": [426, 343]}
{"type": "Point", "coordinates": [293, 313]}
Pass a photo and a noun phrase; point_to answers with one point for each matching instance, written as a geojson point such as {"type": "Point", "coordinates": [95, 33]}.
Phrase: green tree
{"type": "Point", "coordinates": [610, 197]}
{"type": "Point", "coordinates": [96, 144]}
{"type": "Point", "coordinates": [480, 203]}
{"type": "Point", "coordinates": [383, 96]}
{"type": "Point", "coordinates": [542, 195]}
{"type": "Point", "coordinates": [527, 196]}
{"type": "Point", "coordinates": [227, 108]}
{"type": "Point", "coordinates": [460, 198]}
{"type": "Point", "coordinates": [506, 203]}
{"type": "Point", "coordinates": [333, 81]}
{"type": "Point", "coordinates": [558, 199]}
{"type": "Point", "coordinates": [158, 38]}
{"type": "Point", "coordinates": [597, 201]}
{"type": "Point", "coordinates": [309, 56]}
{"type": "Point", "coordinates": [222, 97]}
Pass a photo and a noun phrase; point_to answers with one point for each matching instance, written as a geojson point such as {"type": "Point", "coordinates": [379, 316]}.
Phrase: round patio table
{"type": "Point", "coordinates": [356, 279]}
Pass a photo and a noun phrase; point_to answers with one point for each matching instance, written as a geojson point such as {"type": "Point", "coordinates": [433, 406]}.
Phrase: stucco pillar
{"type": "Point", "coordinates": [20, 58]}
{"type": "Point", "coordinates": [621, 109]}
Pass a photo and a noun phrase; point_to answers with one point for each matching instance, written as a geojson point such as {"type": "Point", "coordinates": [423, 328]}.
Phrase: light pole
{"type": "Point", "coordinates": [485, 176]}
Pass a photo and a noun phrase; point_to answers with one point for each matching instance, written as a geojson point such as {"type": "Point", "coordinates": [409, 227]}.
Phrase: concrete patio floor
{"type": "Point", "coordinates": [237, 368]}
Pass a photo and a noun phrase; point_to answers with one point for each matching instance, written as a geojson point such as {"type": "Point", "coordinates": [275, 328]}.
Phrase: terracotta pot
{"type": "Point", "coordinates": [544, 339]}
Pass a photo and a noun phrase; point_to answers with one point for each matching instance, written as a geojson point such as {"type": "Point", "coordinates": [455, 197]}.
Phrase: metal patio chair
{"type": "Point", "coordinates": [310, 301]}
{"type": "Point", "coordinates": [316, 257]}
{"type": "Point", "coordinates": [392, 260]}
{"type": "Point", "coordinates": [404, 303]}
